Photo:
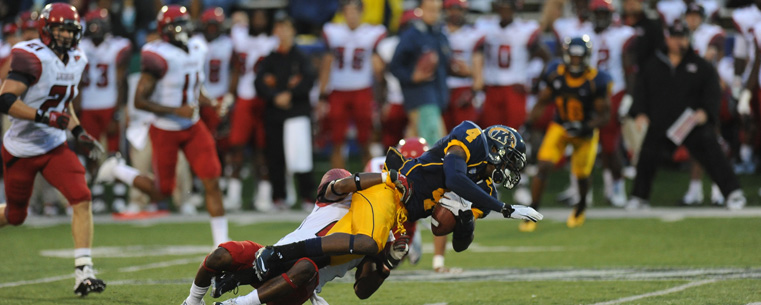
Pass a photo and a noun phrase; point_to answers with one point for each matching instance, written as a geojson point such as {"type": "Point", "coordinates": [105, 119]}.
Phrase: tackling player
{"type": "Point", "coordinates": [455, 163]}
{"type": "Point", "coordinates": [348, 70]}
{"type": "Point", "coordinates": [581, 94]}
{"type": "Point", "coordinates": [46, 73]}
{"type": "Point", "coordinates": [169, 86]}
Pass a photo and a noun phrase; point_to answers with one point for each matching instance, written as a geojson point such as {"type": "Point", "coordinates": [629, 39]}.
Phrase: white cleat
{"type": "Point", "coordinates": [618, 194]}
{"type": "Point", "coordinates": [233, 199]}
{"type": "Point", "coordinates": [716, 197]}
{"type": "Point", "coordinates": [106, 170]}
{"type": "Point", "coordinates": [228, 302]}
{"type": "Point", "coordinates": [263, 201]}
{"type": "Point", "coordinates": [693, 198]}
{"type": "Point", "coordinates": [85, 281]}
{"type": "Point", "coordinates": [636, 203]}
{"type": "Point", "coordinates": [736, 200]}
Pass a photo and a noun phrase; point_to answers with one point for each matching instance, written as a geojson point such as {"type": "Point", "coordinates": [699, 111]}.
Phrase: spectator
{"type": "Point", "coordinates": [693, 83]}
{"type": "Point", "coordinates": [421, 63]}
{"type": "Point", "coordinates": [286, 116]}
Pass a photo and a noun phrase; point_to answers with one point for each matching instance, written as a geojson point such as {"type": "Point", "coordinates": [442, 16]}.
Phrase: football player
{"type": "Point", "coordinates": [612, 54]}
{"type": "Point", "coordinates": [10, 38]}
{"type": "Point", "coordinates": [230, 264]}
{"type": "Point", "coordinates": [28, 22]}
{"type": "Point", "coordinates": [46, 73]}
{"type": "Point", "coordinates": [455, 163]}
{"type": "Point", "coordinates": [509, 47]}
{"type": "Point", "coordinates": [576, 26]}
{"type": "Point", "coordinates": [218, 85]}
{"type": "Point", "coordinates": [169, 86]}
{"type": "Point", "coordinates": [104, 82]}
{"type": "Point", "coordinates": [581, 94]}
{"type": "Point", "coordinates": [346, 78]}
{"type": "Point", "coordinates": [251, 44]}
{"type": "Point", "coordinates": [744, 52]}
{"type": "Point", "coordinates": [467, 44]}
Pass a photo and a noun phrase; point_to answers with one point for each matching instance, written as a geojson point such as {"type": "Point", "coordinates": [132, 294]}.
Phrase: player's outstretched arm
{"type": "Point", "coordinates": [338, 189]}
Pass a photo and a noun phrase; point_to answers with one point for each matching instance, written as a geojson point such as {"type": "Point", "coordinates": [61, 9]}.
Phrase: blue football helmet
{"type": "Point", "coordinates": [579, 46]}
{"type": "Point", "coordinates": [507, 152]}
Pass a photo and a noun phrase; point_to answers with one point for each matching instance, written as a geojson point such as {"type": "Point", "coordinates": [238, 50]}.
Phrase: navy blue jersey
{"type": "Point", "coordinates": [575, 97]}
{"type": "Point", "coordinates": [426, 173]}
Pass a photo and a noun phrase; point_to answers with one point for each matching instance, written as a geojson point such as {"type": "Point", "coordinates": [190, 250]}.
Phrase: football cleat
{"type": "Point", "coordinates": [223, 283]}
{"type": "Point", "coordinates": [228, 302]}
{"type": "Point", "coordinates": [201, 303]}
{"type": "Point", "coordinates": [736, 200]}
{"type": "Point", "coordinates": [575, 221]}
{"type": "Point", "coordinates": [85, 281]}
{"type": "Point", "coordinates": [527, 226]}
{"type": "Point", "coordinates": [693, 197]}
{"type": "Point", "coordinates": [106, 170]}
{"type": "Point", "coordinates": [618, 194]}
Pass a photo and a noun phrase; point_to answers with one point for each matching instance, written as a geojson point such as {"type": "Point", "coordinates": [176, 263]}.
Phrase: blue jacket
{"type": "Point", "coordinates": [416, 39]}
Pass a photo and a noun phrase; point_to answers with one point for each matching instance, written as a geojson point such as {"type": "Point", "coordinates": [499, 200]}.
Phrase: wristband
{"type": "Point", "coordinates": [39, 116]}
{"type": "Point", "coordinates": [333, 190]}
{"type": "Point", "coordinates": [77, 131]}
{"type": "Point", "coordinates": [356, 182]}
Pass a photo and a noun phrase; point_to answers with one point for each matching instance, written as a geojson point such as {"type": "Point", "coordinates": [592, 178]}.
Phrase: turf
{"type": "Point", "coordinates": [604, 244]}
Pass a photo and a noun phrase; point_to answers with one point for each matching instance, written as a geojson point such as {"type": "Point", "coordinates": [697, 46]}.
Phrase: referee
{"type": "Point", "coordinates": [670, 82]}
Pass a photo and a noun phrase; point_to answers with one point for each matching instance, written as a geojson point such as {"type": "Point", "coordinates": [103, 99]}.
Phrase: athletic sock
{"type": "Point", "coordinates": [607, 178]}
{"type": "Point", "coordinates": [219, 229]}
{"type": "Point", "coordinates": [126, 173]}
{"type": "Point", "coordinates": [196, 294]}
{"type": "Point", "coordinates": [249, 299]}
{"type": "Point", "coordinates": [696, 186]}
{"type": "Point", "coordinates": [438, 261]}
{"type": "Point", "coordinates": [82, 257]}
{"type": "Point", "coordinates": [306, 248]}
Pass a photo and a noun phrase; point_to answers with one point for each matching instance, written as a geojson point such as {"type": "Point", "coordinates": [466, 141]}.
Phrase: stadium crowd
{"type": "Point", "coordinates": [366, 74]}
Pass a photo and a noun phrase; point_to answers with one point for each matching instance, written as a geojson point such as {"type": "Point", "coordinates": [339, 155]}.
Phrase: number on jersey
{"type": "Point", "coordinates": [570, 109]}
{"type": "Point", "coordinates": [357, 58]}
{"type": "Point", "coordinates": [57, 94]}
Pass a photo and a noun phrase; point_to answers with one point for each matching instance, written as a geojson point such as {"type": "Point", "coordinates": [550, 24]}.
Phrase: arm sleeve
{"type": "Point", "coordinates": [26, 63]}
{"type": "Point", "coordinates": [262, 89]}
{"type": "Point", "coordinates": [456, 180]}
{"type": "Point", "coordinates": [153, 63]}
{"type": "Point", "coordinates": [711, 96]}
{"type": "Point", "coordinates": [403, 62]}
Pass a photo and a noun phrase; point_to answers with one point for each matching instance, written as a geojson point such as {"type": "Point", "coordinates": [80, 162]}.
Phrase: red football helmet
{"type": "Point", "coordinates": [412, 147]}
{"type": "Point", "coordinates": [28, 20]}
{"type": "Point", "coordinates": [602, 5]}
{"type": "Point", "coordinates": [10, 29]}
{"type": "Point", "coordinates": [602, 14]}
{"type": "Point", "coordinates": [463, 4]}
{"type": "Point", "coordinates": [97, 25]}
{"type": "Point", "coordinates": [212, 20]}
{"type": "Point", "coordinates": [173, 23]}
{"type": "Point", "coordinates": [333, 174]}
{"type": "Point", "coordinates": [64, 17]}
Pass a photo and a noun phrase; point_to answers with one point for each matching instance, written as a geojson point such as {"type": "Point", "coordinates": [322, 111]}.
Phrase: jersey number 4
{"type": "Point", "coordinates": [58, 94]}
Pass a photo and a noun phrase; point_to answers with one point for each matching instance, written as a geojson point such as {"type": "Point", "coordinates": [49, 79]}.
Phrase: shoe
{"type": "Point", "coordinates": [636, 203]}
{"type": "Point", "coordinates": [106, 171]}
{"type": "Point", "coordinates": [736, 200]}
{"type": "Point", "coordinates": [618, 194]}
{"type": "Point", "coordinates": [693, 198]}
{"type": "Point", "coordinates": [263, 199]}
{"type": "Point", "coordinates": [522, 196]}
{"type": "Point", "coordinates": [85, 281]}
{"type": "Point", "coordinates": [223, 283]}
{"type": "Point", "coordinates": [266, 258]}
{"type": "Point", "coordinates": [527, 226]}
{"type": "Point", "coordinates": [716, 197]}
{"type": "Point", "coordinates": [232, 202]}
{"type": "Point", "coordinates": [228, 302]}
{"type": "Point", "coordinates": [575, 221]}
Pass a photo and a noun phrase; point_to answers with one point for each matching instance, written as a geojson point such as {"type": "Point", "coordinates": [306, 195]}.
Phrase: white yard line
{"type": "Point", "coordinates": [165, 264]}
{"type": "Point", "coordinates": [37, 281]}
{"type": "Point", "coordinates": [658, 293]}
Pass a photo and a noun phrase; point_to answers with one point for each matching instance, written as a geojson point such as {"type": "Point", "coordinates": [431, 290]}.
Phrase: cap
{"type": "Point", "coordinates": [678, 28]}
{"type": "Point", "coordinates": [695, 8]}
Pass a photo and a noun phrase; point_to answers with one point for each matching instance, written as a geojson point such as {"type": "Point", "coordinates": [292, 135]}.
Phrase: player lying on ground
{"type": "Point", "coordinates": [230, 265]}
{"type": "Point", "coordinates": [469, 155]}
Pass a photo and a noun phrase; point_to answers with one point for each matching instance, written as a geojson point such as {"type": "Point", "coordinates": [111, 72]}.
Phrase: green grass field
{"type": "Point", "coordinates": [705, 260]}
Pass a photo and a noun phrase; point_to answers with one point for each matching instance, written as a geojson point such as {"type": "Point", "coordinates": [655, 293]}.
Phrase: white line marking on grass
{"type": "Point", "coordinates": [151, 282]}
{"type": "Point", "coordinates": [133, 251]}
{"type": "Point", "coordinates": [658, 293]}
{"type": "Point", "coordinates": [475, 247]}
{"type": "Point", "coordinates": [442, 303]}
{"type": "Point", "coordinates": [165, 264]}
{"type": "Point", "coordinates": [37, 281]}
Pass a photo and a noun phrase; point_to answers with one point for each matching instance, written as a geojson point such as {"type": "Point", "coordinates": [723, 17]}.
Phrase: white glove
{"type": "Point", "coordinates": [626, 104]}
{"type": "Point", "coordinates": [227, 101]}
{"type": "Point", "coordinates": [743, 102]}
{"type": "Point", "coordinates": [521, 212]}
{"type": "Point", "coordinates": [454, 203]}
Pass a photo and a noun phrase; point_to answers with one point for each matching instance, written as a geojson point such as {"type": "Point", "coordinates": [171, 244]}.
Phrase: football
{"type": "Point", "coordinates": [442, 220]}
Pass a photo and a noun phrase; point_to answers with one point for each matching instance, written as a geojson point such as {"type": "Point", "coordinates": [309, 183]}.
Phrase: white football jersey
{"type": "Point", "coordinates": [375, 165]}
{"type": "Point", "coordinates": [703, 36]}
{"type": "Point", "coordinates": [756, 42]}
{"type": "Point", "coordinates": [710, 7]}
{"type": "Point", "coordinates": [464, 42]}
{"type": "Point", "coordinates": [179, 74]}
{"type": "Point", "coordinates": [745, 18]}
{"type": "Point", "coordinates": [56, 84]}
{"type": "Point", "coordinates": [726, 69]}
{"type": "Point", "coordinates": [671, 10]}
{"type": "Point", "coordinates": [217, 64]}
{"type": "Point", "coordinates": [352, 50]}
{"type": "Point", "coordinates": [571, 27]}
{"type": "Point", "coordinates": [99, 84]}
{"type": "Point", "coordinates": [506, 51]}
{"type": "Point", "coordinates": [5, 51]}
{"type": "Point", "coordinates": [607, 52]}
{"type": "Point", "coordinates": [386, 49]}
{"type": "Point", "coordinates": [250, 50]}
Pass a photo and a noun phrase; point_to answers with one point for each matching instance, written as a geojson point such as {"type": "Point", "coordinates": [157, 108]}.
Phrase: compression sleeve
{"type": "Point", "coordinates": [456, 180]}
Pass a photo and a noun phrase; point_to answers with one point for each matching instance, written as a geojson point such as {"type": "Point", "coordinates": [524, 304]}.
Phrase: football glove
{"type": "Point", "coordinates": [87, 144]}
{"type": "Point", "coordinates": [521, 212]}
{"type": "Point", "coordinates": [455, 203]}
{"type": "Point", "coordinates": [398, 181]}
{"type": "Point", "coordinates": [577, 129]}
{"type": "Point", "coordinates": [743, 103]}
{"type": "Point", "coordinates": [53, 119]}
{"type": "Point", "coordinates": [398, 250]}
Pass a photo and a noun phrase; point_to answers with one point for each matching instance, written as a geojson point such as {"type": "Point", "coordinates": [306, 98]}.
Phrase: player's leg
{"type": "Point", "coordinates": [294, 286]}
{"type": "Point", "coordinates": [439, 250]}
{"type": "Point", "coordinates": [19, 175]}
{"type": "Point", "coordinates": [704, 147]}
{"type": "Point", "coordinates": [66, 174]}
{"type": "Point", "coordinates": [394, 124]}
{"type": "Point", "coordinates": [610, 136]}
{"type": "Point", "coordinates": [491, 111]}
{"type": "Point", "coordinates": [91, 121]}
{"type": "Point", "coordinates": [202, 156]}
{"type": "Point", "coordinates": [339, 122]}
{"type": "Point", "coordinates": [694, 194]}
{"type": "Point", "coordinates": [549, 154]}
{"type": "Point", "coordinates": [582, 163]}
{"type": "Point", "coordinates": [363, 108]}
{"type": "Point", "coordinates": [515, 110]}
{"type": "Point", "coordinates": [263, 200]}
{"type": "Point", "coordinates": [242, 118]}
{"type": "Point", "coordinates": [221, 265]}
{"type": "Point", "coordinates": [652, 149]}
{"type": "Point", "coordinates": [112, 131]}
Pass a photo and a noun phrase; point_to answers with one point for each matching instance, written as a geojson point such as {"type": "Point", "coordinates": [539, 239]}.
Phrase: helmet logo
{"type": "Point", "coordinates": [502, 136]}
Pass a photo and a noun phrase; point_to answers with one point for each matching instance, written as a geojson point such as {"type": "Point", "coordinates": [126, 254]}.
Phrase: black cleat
{"type": "Point", "coordinates": [266, 260]}
{"type": "Point", "coordinates": [224, 283]}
